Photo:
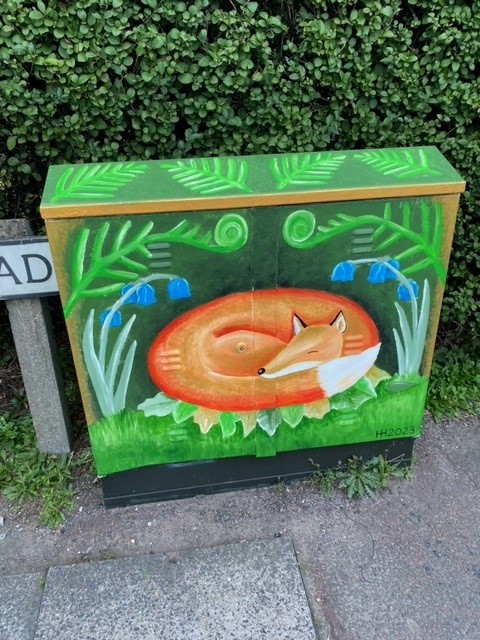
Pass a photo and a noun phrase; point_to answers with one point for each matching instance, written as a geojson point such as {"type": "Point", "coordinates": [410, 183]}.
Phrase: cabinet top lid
{"type": "Point", "coordinates": [202, 184]}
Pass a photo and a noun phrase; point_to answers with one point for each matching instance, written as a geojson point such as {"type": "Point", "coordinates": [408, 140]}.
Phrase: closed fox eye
{"type": "Point", "coordinates": [311, 352]}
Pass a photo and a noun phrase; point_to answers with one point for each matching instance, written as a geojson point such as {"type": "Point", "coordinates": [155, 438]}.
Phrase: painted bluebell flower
{"type": "Point", "coordinates": [403, 293]}
{"type": "Point", "coordinates": [116, 320]}
{"type": "Point", "coordinates": [389, 275]}
{"type": "Point", "coordinates": [143, 296]}
{"type": "Point", "coordinates": [131, 299]}
{"type": "Point", "coordinates": [178, 289]}
{"type": "Point", "coordinates": [343, 272]}
{"type": "Point", "coordinates": [377, 273]}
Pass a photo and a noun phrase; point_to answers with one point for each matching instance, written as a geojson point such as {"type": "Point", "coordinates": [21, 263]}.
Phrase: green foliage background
{"type": "Point", "coordinates": [117, 80]}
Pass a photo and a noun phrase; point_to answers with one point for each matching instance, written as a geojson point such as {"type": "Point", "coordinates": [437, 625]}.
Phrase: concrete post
{"type": "Point", "coordinates": [37, 353]}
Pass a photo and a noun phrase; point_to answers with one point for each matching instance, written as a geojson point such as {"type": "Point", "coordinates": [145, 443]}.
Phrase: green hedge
{"type": "Point", "coordinates": [87, 80]}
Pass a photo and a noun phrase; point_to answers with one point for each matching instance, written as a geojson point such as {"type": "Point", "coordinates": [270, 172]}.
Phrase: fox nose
{"type": "Point", "coordinates": [261, 371]}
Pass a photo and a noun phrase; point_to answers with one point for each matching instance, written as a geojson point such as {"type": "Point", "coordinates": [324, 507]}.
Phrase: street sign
{"type": "Point", "coordinates": [26, 268]}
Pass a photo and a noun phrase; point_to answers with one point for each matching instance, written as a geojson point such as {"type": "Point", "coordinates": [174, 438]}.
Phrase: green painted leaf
{"type": "Point", "coordinates": [269, 420]}
{"type": "Point", "coordinates": [354, 397]}
{"type": "Point", "coordinates": [292, 415]}
{"type": "Point", "coordinates": [95, 182]}
{"type": "Point", "coordinates": [364, 385]}
{"type": "Point", "coordinates": [403, 164]}
{"type": "Point", "coordinates": [159, 405]}
{"type": "Point", "coordinates": [210, 176]}
{"type": "Point", "coordinates": [228, 424]}
{"type": "Point", "coordinates": [182, 411]}
{"type": "Point", "coordinates": [308, 170]}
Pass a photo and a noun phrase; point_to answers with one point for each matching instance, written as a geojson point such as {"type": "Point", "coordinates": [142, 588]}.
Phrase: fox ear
{"type": "Point", "coordinates": [298, 324]}
{"type": "Point", "coordinates": [339, 322]}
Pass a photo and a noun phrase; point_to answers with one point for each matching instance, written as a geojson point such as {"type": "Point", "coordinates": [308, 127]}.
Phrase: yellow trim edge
{"type": "Point", "coordinates": [87, 210]}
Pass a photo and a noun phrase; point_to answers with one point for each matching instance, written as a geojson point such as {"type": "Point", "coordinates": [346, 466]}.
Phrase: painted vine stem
{"type": "Point", "coordinates": [121, 262]}
{"type": "Point", "coordinates": [301, 231]}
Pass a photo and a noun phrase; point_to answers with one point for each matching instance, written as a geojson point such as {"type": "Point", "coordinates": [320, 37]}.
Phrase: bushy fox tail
{"type": "Point", "coordinates": [340, 374]}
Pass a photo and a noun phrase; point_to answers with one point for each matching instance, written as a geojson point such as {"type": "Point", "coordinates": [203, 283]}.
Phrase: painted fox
{"type": "Point", "coordinates": [320, 347]}
{"type": "Point", "coordinates": [263, 349]}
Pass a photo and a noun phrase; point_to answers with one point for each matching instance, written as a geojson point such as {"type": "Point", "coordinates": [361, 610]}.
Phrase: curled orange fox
{"type": "Point", "coordinates": [320, 347]}
{"type": "Point", "coordinates": [263, 349]}
{"type": "Point", "coordinates": [310, 347]}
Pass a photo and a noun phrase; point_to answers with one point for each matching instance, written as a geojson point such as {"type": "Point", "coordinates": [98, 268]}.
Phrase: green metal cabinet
{"type": "Point", "coordinates": [232, 319]}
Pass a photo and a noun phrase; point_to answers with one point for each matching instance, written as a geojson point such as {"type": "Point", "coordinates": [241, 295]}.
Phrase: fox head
{"type": "Point", "coordinates": [311, 346]}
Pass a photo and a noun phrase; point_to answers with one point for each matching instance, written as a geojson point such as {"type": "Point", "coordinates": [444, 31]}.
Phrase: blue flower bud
{"type": "Point", "coordinates": [146, 296]}
{"type": "Point", "coordinates": [343, 272]}
{"type": "Point", "coordinates": [178, 289]}
{"type": "Point", "coordinates": [133, 299]}
{"type": "Point", "coordinates": [404, 294]}
{"type": "Point", "coordinates": [389, 275]}
{"type": "Point", "coordinates": [116, 320]}
{"type": "Point", "coordinates": [143, 296]}
{"type": "Point", "coordinates": [377, 273]}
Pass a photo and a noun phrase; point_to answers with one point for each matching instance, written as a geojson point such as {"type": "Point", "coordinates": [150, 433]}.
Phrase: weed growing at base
{"type": "Point", "coordinates": [358, 478]}
{"type": "Point", "coordinates": [26, 475]}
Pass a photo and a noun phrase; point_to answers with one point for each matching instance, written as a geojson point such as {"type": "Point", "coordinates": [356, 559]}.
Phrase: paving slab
{"type": "Point", "coordinates": [406, 565]}
{"type": "Point", "coordinates": [20, 598]}
{"type": "Point", "coordinates": [244, 591]}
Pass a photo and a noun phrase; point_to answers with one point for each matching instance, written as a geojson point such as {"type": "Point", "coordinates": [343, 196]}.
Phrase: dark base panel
{"type": "Point", "coordinates": [183, 480]}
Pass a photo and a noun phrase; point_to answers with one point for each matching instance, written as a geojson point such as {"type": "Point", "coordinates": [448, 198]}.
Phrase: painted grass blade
{"type": "Point", "coordinates": [422, 326]}
{"type": "Point", "coordinates": [121, 392]}
{"type": "Point", "coordinates": [402, 363]}
{"type": "Point", "coordinates": [406, 335]}
{"type": "Point", "coordinates": [95, 371]}
{"type": "Point", "coordinates": [116, 355]}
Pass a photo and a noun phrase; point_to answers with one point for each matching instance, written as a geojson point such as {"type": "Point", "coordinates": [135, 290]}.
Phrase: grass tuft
{"type": "Point", "coordinates": [27, 476]}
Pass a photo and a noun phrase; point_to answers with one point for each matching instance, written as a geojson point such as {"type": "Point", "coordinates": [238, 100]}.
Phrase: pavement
{"type": "Point", "coordinates": [279, 563]}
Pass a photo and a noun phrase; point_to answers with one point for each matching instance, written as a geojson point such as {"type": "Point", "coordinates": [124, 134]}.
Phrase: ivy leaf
{"type": "Point", "coordinates": [160, 405]}
{"type": "Point", "coordinates": [227, 424]}
{"type": "Point", "coordinates": [292, 415]}
{"type": "Point", "coordinates": [96, 182]}
{"type": "Point", "coordinates": [182, 411]}
{"type": "Point", "coordinates": [209, 177]}
{"type": "Point", "coordinates": [269, 420]}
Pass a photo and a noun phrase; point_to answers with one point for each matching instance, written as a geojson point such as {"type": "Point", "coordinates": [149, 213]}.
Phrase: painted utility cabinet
{"type": "Point", "coordinates": [232, 319]}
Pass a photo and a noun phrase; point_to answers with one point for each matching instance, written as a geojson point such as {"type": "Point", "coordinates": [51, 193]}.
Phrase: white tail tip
{"type": "Point", "coordinates": [340, 374]}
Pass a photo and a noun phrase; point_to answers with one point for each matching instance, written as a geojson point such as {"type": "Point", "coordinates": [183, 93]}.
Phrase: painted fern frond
{"type": "Point", "coordinates": [301, 231]}
{"type": "Point", "coordinates": [79, 249]}
{"type": "Point", "coordinates": [308, 170]}
{"type": "Point", "coordinates": [230, 234]}
{"type": "Point", "coordinates": [104, 262]}
{"type": "Point", "coordinates": [97, 182]}
{"type": "Point", "coordinates": [210, 176]}
{"type": "Point", "coordinates": [402, 164]}
{"type": "Point", "coordinates": [119, 259]}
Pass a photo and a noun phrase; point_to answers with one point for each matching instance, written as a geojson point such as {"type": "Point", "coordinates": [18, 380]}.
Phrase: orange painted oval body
{"type": "Point", "coordinates": [211, 355]}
